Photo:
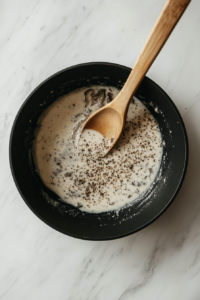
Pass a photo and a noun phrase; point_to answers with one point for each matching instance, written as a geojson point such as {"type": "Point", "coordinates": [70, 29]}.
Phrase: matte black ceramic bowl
{"type": "Point", "coordinates": [66, 218]}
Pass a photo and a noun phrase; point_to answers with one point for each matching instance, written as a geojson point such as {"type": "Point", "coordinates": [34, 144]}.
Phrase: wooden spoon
{"type": "Point", "coordinates": [110, 119]}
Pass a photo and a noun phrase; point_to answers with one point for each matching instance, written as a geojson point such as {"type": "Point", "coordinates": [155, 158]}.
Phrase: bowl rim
{"type": "Point", "coordinates": [164, 208]}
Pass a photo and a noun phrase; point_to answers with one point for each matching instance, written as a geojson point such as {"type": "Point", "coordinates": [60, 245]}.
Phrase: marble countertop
{"type": "Point", "coordinates": [39, 38]}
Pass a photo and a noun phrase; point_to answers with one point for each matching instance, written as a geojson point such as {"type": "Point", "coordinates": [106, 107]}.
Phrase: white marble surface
{"type": "Point", "coordinates": [39, 38]}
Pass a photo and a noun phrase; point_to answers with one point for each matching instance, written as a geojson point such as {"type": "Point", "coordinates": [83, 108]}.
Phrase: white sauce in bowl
{"type": "Point", "coordinates": [93, 144]}
{"type": "Point", "coordinates": [103, 184]}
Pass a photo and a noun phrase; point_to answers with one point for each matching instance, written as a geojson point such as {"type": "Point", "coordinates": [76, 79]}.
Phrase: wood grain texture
{"type": "Point", "coordinates": [109, 120]}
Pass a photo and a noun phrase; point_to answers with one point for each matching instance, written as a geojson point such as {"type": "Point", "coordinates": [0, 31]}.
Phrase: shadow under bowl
{"type": "Point", "coordinates": [66, 218]}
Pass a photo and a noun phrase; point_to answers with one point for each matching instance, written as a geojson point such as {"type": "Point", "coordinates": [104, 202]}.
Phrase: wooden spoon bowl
{"type": "Point", "coordinates": [108, 122]}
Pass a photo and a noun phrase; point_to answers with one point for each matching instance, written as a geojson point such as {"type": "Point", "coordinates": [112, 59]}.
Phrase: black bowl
{"type": "Point", "coordinates": [66, 218]}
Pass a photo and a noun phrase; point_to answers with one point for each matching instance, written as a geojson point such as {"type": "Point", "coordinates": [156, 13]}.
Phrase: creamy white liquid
{"type": "Point", "coordinates": [96, 185]}
{"type": "Point", "coordinates": [93, 144]}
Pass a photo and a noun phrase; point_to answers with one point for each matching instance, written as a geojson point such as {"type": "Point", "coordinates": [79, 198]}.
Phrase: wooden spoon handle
{"type": "Point", "coordinates": [167, 20]}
